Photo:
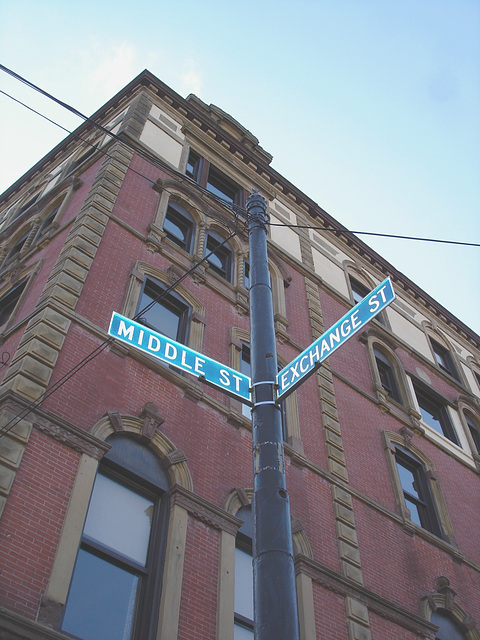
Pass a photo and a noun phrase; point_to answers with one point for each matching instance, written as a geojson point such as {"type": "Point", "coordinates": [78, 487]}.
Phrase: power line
{"type": "Point", "coordinates": [98, 350]}
{"type": "Point", "coordinates": [372, 233]}
{"type": "Point", "coordinates": [183, 178]}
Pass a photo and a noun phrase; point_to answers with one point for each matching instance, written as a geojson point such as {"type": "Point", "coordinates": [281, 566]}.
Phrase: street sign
{"type": "Point", "coordinates": [178, 355]}
{"type": "Point", "coordinates": [307, 362]}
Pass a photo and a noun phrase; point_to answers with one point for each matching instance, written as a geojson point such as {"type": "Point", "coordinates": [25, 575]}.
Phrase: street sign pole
{"type": "Point", "coordinates": [275, 602]}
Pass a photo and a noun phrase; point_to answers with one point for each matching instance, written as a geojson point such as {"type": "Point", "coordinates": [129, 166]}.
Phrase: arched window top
{"type": "Point", "coordinates": [448, 628]}
{"type": "Point", "coordinates": [443, 354]}
{"type": "Point", "coordinates": [136, 458]}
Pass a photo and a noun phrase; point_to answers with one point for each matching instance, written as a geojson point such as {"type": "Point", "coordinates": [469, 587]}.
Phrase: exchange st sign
{"type": "Point", "coordinates": [159, 346]}
{"type": "Point", "coordinates": [307, 362]}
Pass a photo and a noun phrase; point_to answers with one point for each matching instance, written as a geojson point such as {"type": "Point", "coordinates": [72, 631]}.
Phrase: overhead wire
{"type": "Point", "coordinates": [100, 348]}
{"type": "Point", "coordinates": [175, 174]}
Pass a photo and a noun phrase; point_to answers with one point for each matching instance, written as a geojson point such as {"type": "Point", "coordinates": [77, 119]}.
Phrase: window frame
{"type": "Point", "coordinates": [244, 542]}
{"type": "Point", "coordinates": [148, 594]}
{"type": "Point", "coordinates": [444, 358]}
{"type": "Point", "coordinates": [183, 219]}
{"type": "Point", "coordinates": [169, 301]}
{"type": "Point", "coordinates": [428, 515]}
{"type": "Point", "coordinates": [202, 171]}
{"type": "Point", "coordinates": [387, 375]}
{"type": "Point", "coordinates": [432, 406]}
{"type": "Point", "coordinates": [17, 301]}
{"type": "Point", "coordinates": [226, 250]}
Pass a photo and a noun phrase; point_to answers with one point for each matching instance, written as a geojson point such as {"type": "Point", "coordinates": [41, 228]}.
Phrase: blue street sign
{"type": "Point", "coordinates": [159, 346]}
{"type": "Point", "coordinates": [307, 362]}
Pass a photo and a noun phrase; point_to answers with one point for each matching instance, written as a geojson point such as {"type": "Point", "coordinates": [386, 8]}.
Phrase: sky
{"type": "Point", "coordinates": [370, 107]}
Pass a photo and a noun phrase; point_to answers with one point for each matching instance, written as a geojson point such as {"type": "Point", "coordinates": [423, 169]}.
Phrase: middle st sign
{"type": "Point", "coordinates": [178, 355]}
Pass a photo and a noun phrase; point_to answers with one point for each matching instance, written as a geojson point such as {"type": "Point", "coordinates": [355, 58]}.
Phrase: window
{"type": "Point", "coordinates": [115, 587]}
{"type": "Point", "coordinates": [444, 358]}
{"type": "Point", "coordinates": [386, 374]}
{"type": "Point", "coordinates": [17, 247]}
{"type": "Point", "coordinates": [166, 314]}
{"type": "Point", "coordinates": [193, 165]}
{"type": "Point", "coordinates": [214, 180]}
{"type": "Point", "coordinates": [48, 221]}
{"type": "Point", "coordinates": [474, 431]}
{"type": "Point", "coordinates": [448, 628]}
{"type": "Point", "coordinates": [359, 291]}
{"type": "Point", "coordinates": [179, 226]}
{"type": "Point", "coordinates": [246, 274]}
{"type": "Point", "coordinates": [435, 414]}
{"type": "Point", "coordinates": [243, 622]}
{"type": "Point", "coordinates": [416, 491]}
{"type": "Point", "coordinates": [221, 256]}
{"type": "Point", "coordinates": [9, 301]}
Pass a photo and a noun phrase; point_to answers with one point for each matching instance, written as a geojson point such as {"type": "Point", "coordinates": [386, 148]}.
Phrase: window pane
{"type": "Point", "coordinates": [242, 633]}
{"type": "Point", "coordinates": [243, 584]}
{"type": "Point", "coordinates": [407, 480]}
{"type": "Point", "coordinates": [414, 511]}
{"type": "Point", "coordinates": [158, 317]}
{"type": "Point", "coordinates": [120, 519]}
{"type": "Point", "coordinates": [447, 628]}
{"type": "Point", "coordinates": [101, 601]}
{"type": "Point", "coordinates": [178, 228]}
{"type": "Point", "coordinates": [431, 419]}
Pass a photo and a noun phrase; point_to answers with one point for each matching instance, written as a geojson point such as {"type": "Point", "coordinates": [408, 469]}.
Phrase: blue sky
{"type": "Point", "coordinates": [371, 107]}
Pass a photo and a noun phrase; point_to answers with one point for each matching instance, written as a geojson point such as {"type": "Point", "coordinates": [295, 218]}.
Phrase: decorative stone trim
{"type": "Point", "coordinates": [204, 511]}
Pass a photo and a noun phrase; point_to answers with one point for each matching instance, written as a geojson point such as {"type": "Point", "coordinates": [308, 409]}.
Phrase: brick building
{"type": "Point", "coordinates": [125, 494]}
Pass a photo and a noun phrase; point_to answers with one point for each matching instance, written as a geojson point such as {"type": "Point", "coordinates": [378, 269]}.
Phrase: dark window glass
{"type": "Point", "coordinates": [17, 247]}
{"type": "Point", "coordinates": [9, 301]}
{"type": "Point", "coordinates": [246, 274]}
{"type": "Point", "coordinates": [448, 629]}
{"type": "Point", "coordinates": [167, 315]}
{"type": "Point", "coordinates": [193, 165]}
{"type": "Point", "coordinates": [178, 226]}
{"type": "Point", "coordinates": [26, 206]}
{"type": "Point", "coordinates": [444, 358]}
{"type": "Point", "coordinates": [359, 291]}
{"type": "Point", "coordinates": [386, 373]}
{"type": "Point", "coordinates": [416, 492]}
{"type": "Point", "coordinates": [48, 221]}
{"type": "Point", "coordinates": [243, 623]}
{"type": "Point", "coordinates": [221, 259]}
{"type": "Point", "coordinates": [220, 185]}
{"type": "Point", "coordinates": [474, 432]}
{"type": "Point", "coordinates": [114, 592]}
{"type": "Point", "coordinates": [435, 415]}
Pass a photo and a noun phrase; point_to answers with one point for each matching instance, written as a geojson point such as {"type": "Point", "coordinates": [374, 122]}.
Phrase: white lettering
{"type": "Point", "coordinates": [170, 351]}
{"type": "Point", "coordinates": [184, 355]}
{"type": "Point", "coordinates": [294, 371]}
{"type": "Point", "coordinates": [381, 292]}
{"type": "Point", "coordinates": [199, 364]}
{"type": "Point", "coordinates": [150, 343]}
{"type": "Point", "coordinates": [237, 382]}
{"type": "Point", "coordinates": [224, 379]}
{"type": "Point", "coordinates": [140, 337]}
{"type": "Point", "coordinates": [373, 301]}
{"type": "Point", "coordinates": [127, 333]}
{"type": "Point", "coordinates": [335, 335]}
{"type": "Point", "coordinates": [325, 347]}
{"type": "Point", "coordinates": [355, 320]}
{"type": "Point", "coordinates": [312, 354]}
{"type": "Point", "coordinates": [284, 380]}
{"type": "Point", "coordinates": [302, 369]}
{"type": "Point", "coordinates": [345, 328]}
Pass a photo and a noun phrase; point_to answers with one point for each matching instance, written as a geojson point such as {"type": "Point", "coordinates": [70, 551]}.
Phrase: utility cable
{"type": "Point", "coordinates": [93, 354]}
{"type": "Point", "coordinates": [182, 177]}
{"type": "Point", "coordinates": [371, 233]}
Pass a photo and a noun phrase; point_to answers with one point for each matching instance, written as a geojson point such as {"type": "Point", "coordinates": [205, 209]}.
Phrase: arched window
{"type": "Point", "coordinates": [165, 313]}
{"type": "Point", "coordinates": [115, 588]}
{"type": "Point", "coordinates": [386, 373]}
{"type": "Point", "coordinates": [220, 256]}
{"type": "Point", "coordinates": [474, 429]}
{"type": "Point", "coordinates": [179, 226]}
{"type": "Point", "coordinates": [444, 358]}
{"type": "Point", "coordinates": [243, 625]}
{"type": "Point", "coordinates": [448, 628]}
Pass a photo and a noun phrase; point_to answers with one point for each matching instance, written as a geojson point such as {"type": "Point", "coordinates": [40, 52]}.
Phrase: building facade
{"type": "Point", "coordinates": [126, 485]}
